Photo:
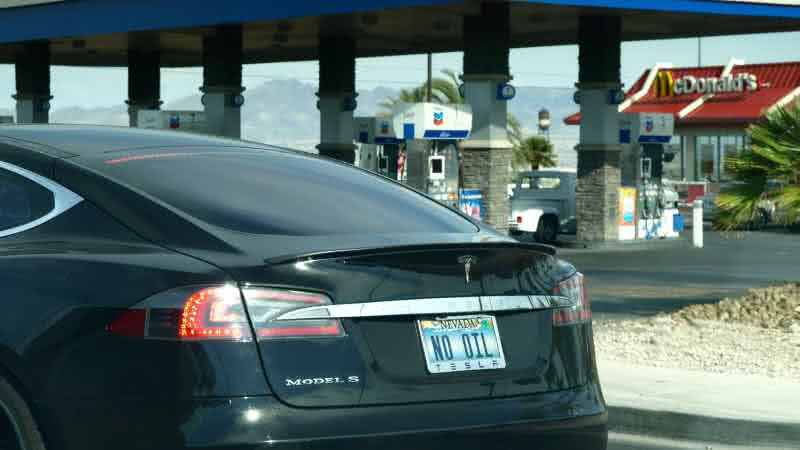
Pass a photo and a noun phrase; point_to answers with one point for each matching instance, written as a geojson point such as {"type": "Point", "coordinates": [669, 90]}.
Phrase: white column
{"type": "Point", "coordinates": [489, 115]}
{"type": "Point", "coordinates": [33, 108]}
{"type": "Point", "coordinates": [223, 110]}
{"type": "Point", "coordinates": [697, 223]}
{"type": "Point", "coordinates": [336, 121]}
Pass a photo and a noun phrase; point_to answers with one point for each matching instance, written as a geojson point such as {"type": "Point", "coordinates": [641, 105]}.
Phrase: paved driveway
{"type": "Point", "coordinates": [626, 283]}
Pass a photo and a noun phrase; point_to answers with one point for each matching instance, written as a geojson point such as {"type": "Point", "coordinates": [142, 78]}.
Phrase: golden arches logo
{"type": "Point", "coordinates": [664, 85]}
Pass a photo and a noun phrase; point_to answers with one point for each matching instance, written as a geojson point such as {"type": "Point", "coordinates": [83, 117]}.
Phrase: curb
{"type": "Point", "coordinates": [673, 425]}
{"type": "Point", "coordinates": [656, 244]}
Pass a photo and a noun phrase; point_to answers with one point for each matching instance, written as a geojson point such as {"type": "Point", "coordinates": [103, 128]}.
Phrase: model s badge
{"type": "Point", "coordinates": [468, 261]}
{"type": "Point", "coordinates": [316, 381]}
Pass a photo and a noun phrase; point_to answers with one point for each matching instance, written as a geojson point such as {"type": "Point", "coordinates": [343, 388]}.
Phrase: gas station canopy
{"type": "Point", "coordinates": [101, 32]}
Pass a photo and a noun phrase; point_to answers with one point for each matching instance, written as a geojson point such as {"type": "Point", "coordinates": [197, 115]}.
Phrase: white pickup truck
{"type": "Point", "coordinates": [543, 205]}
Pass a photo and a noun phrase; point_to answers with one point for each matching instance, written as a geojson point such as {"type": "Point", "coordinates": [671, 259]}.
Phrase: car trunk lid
{"type": "Point", "coordinates": [385, 298]}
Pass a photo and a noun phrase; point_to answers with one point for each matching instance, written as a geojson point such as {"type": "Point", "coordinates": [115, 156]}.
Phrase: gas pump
{"type": "Point", "coordinates": [645, 141]}
{"type": "Point", "coordinates": [378, 146]}
{"type": "Point", "coordinates": [443, 169]}
{"type": "Point", "coordinates": [434, 131]}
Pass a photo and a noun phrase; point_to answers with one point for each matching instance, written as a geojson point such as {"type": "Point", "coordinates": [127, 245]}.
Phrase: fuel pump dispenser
{"type": "Point", "coordinates": [378, 146]}
{"type": "Point", "coordinates": [432, 132]}
{"type": "Point", "coordinates": [645, 139]}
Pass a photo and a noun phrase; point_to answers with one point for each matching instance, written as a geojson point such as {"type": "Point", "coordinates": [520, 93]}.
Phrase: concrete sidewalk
{"type": "Point", "coordinates": [700, 406]}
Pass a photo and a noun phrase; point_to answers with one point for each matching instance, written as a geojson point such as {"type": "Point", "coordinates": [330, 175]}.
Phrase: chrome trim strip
{"type": "Point", "coordinates": [429, 306]}
{"type": "Point", "coordinates": [63, 198]}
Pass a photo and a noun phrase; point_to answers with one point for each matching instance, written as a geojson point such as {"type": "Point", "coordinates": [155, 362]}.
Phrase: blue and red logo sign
{"type": "Point", "coordinates": [438, 118]}
{"type": "Point", "coordinates": [384, 127]}
{"type": "Point", "coordinates": [649, 125]}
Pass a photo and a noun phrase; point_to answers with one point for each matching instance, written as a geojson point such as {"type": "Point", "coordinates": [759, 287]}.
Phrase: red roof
{"type": "Point", "coordinates": [775, 82]}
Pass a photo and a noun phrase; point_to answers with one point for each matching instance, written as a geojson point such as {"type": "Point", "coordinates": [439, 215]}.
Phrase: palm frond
{"type": "Point", "coordinates": [738, 205]}
{"type": "Point", "coordinates": [534, 151]}
{"type": "Point", "coordinates": [774, 156]}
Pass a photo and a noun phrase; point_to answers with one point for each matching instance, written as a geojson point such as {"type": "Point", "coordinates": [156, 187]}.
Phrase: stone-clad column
{"type": "Point", "coordinates": [222, 81]}
{"type": "Point", "coordinates": [486, 155]}
{"type": "Point", "coordinates": [33, 83]}
{"type": "Point", "coordinates": [144, 83]}
{"type": "Point", "coordinates": [337, 97]}
{"type": "Point", "coordinates": [599, 151]}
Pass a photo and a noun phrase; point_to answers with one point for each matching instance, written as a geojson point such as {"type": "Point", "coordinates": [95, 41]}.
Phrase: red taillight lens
{"type": "Point", "coordinates": [218, 313]}
{"type": "Point", "coordinates": [188, 313]}
{"type": "Point", "coordinates": [519, 219]}
{"type": "Point", "coordinates": [129, 323]}
{"type": "Point", "coordinates": [575, 289]}
{"type": "Point", "coordinates": [214, 313]}
{"type": "Point", "coordinates": [266, 305]}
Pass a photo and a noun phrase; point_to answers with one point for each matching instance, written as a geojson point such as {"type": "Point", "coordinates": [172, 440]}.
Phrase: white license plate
{"type": "Point", "coordinates": [456, 344]}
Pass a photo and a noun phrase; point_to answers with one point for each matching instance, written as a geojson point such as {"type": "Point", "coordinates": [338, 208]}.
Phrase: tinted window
{"type": "Point", "coordinates": [21, 200]}
{"type": "Point", "coordinates": [540, 182]}
{"type": "Point", "coordinates": [271, 192]}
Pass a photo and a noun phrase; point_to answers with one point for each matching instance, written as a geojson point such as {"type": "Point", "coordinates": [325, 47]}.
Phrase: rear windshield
{"type": "Point", "coordinates": [540, 182]}
{"type": "Point", "coordinates": [283, 193]}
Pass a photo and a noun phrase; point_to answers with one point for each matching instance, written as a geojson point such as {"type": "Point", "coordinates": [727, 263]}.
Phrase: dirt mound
{"type": "Point", "coordinates": [776, 307]}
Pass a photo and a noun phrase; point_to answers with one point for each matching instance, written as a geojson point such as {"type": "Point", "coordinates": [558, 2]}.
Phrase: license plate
{"type": "Point", "coordinates": [457, 344]}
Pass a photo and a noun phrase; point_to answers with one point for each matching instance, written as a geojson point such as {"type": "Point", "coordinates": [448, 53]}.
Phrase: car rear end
{"type": "Point", "coordinates": [384, 321]}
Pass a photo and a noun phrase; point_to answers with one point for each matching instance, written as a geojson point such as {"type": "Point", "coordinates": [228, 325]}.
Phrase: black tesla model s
{"type": "Point", "coordinates": [167, 291]}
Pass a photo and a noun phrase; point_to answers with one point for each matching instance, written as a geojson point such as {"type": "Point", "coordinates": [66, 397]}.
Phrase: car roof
{"type": "Point", "coordinates": [551, 172]}
{"type": "Point", "coordinates": [64, 141]}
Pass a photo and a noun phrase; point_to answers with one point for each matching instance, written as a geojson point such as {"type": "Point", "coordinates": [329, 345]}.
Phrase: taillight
{"type": "Point", "coordinates": [519, 219]}
{"type": "Point", "coordinates": [188, 313]}
{"type": "Point", "coordinates": [267, 305]}
{"type": "Point", "coordinates": [573, 288]}
{"type": "Point", "coordinates": [218, 313]}
{"type": "Point", "coordinates": [213, 313]}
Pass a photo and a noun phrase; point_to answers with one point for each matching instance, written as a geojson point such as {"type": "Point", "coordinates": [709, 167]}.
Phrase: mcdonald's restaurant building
{"type": "Point", "coordinates": [713, 106]}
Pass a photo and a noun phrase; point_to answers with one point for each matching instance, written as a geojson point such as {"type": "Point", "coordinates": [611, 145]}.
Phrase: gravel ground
{"type": "Point", "coordinates": [758, 333]}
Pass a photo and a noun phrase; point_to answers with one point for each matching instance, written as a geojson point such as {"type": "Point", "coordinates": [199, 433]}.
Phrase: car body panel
{"type": "Point", "coordinates": [532, 203]}
{"type": "Point", "coordinates": [385, 352]}
{"type": "Point", "coordinates": [64, 281]}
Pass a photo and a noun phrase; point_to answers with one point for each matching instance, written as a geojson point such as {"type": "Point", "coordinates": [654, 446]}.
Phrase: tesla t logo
{"type": "Point", "coordinates": [438, 118]}
{"type": "Point", "coordinates": [317, 381]}
{"type": "Point", "coordinates": [468, 261]}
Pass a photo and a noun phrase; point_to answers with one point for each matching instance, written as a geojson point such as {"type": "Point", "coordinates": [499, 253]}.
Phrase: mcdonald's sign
{"type": "Point", "coordinates": [664, 85]}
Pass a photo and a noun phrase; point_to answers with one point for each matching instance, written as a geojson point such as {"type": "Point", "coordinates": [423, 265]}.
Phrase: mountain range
{"type": "Point", "coordinates": [283, 112]}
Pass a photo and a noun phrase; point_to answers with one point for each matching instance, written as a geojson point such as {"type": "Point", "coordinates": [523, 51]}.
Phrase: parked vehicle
{"type": "Point", "coordinates": [176, 291]}
{"type": "Point", "coordinates": [543, 205]}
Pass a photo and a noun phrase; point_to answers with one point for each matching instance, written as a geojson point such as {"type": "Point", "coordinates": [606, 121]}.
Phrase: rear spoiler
{"type": "Point", "coordinates": [533, 247]}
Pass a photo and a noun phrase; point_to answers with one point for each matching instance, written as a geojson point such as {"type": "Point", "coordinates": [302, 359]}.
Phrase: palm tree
{"type": "Point", "coordinates": [515, 133]}
{"type": "Point", "coordinates": [769, 171]}
{"type": "Point", "coordinates": [533, 151]}
{"type": "Point", "coordinates": [443, 90]}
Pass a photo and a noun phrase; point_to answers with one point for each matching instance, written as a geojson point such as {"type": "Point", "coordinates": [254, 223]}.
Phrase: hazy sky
{"type": "Point", "coordinates": [542, 66]}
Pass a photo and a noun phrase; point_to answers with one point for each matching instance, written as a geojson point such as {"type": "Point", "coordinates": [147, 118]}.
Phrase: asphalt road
{"type": "Point", "coordinates": [618, 441]}
{"type": "Point", "coordinates": [645, 282]}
